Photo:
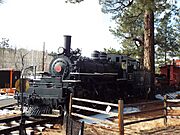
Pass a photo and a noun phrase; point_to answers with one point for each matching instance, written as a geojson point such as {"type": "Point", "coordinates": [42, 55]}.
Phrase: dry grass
{"type": "Point", "coordinates": [151, 127]}
{"type": "Point", "coordinates": [56, 130]}
{"type": "Point", "coordinates": [156, 127]}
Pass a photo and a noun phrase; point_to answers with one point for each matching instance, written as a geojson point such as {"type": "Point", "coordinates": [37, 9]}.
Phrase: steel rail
{"type": "Point", "coordinates": [4, 120]}
{"type": "Point", "coordinates": [18, 127]}
{"type": "Point", "coordinates": [7, 103]}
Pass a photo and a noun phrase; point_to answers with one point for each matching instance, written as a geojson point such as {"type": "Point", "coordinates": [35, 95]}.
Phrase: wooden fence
{"type": "Point", "coordinates": [118, 106]}
{"type": "Point", "coordinates": [74, 127]}
{"type": "Point", "coordinates": [166, 108]}
{"type": "Point", "coordinates": [172, 108]}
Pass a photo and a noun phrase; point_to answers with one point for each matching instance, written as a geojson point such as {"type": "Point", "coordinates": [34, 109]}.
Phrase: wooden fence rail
{"type": "Point", "coordinates": [167, 108]}
{"type": "Point", "coordinates": [119, 106]}
{"type": "Point", "coordinates": [173, 108]}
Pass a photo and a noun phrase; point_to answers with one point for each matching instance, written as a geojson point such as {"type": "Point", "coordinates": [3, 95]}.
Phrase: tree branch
{"type": "Point", "coordinates": [119, 5]}
{"type": "Point", "coordinates": [135, 39]}
{"type": "Point", "coordinates": [138, 40]}
{"type": "Point", "coordinates": [122, 3]}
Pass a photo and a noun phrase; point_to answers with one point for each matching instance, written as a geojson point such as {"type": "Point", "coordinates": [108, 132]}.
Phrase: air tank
{"type": "Point", "coordinates": [95, 55]}
{"type": "Point", "coordinates": [103, 56]}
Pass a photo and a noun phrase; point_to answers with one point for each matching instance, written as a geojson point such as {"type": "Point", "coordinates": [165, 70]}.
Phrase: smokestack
{"type": "Point", "coordinates": [67, 44]}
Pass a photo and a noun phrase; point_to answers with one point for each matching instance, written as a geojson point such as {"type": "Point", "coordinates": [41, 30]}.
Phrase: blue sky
{"type": "Point", "coordinates": [29, 23]}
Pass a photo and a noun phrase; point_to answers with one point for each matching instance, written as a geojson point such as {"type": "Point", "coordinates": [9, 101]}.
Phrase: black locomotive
{"type": "Point", "coordinates": [103, 77]}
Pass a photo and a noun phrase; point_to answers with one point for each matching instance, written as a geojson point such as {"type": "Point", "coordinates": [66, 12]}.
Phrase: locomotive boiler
{"type": "Point", "coordinates": [97, 78]}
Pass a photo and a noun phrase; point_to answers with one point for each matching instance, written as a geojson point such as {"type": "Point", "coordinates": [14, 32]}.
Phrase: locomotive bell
{"type": "Point", "coordinates": [67, 44]}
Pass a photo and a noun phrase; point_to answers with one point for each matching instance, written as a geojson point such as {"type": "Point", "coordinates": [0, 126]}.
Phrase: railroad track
{"type": "Point", "coordinates": [13, 125]}
{"type": "Point", "coordinates": [7, 102]}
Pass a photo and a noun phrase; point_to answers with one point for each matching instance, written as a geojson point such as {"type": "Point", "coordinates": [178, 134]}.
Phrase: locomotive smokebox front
{"type": "Point", "coordinates": [67, 44]}
{"type": "Point", "coordinates": [61, 64]}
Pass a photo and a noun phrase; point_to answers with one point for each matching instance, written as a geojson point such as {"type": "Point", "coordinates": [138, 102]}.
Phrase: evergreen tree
{"type": "Point", "coordinates": [167, 41]}
{"type": "Point", "coordinates": [112, 50]}
{"type": "Point", "coordinates": [137, 21]}
{"type": "Point", "coordinates": [130, 21]}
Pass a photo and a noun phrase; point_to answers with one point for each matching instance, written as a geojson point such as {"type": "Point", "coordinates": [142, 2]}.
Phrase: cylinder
{"type": "Point", "coordinates": [67, 44]}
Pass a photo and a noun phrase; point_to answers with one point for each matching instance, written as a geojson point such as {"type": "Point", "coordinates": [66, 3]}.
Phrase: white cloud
{"type": "Point", "coordinates": [29, 23]}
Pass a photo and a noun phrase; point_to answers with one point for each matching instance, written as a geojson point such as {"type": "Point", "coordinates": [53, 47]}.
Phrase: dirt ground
{"type": "Point", "coordinates": [155, 127]}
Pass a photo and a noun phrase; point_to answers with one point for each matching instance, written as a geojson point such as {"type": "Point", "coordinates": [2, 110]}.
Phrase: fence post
{"type": "Point", "coordinates": [68, 120]}
{"type": "Point", "coordinates": [71, 127]}
{"type": "Point", "coordinates": [165, 110]}
{"type": "Point", "coordinates": [82, 128]}
{"type": "Point", "coordinates": [120, 117]}
{"type": "Point", "coordinates": [67, 124]}
{"type": "Point", "coordinates": [70, 105]}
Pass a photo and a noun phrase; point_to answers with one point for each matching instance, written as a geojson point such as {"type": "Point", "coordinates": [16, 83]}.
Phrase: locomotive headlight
{"type": "Point", "coordinates": [60, 50]}
{"type": "Point", "coordinates": [60, 66]}
{"type": "Point", "coordinates": [57, 68]}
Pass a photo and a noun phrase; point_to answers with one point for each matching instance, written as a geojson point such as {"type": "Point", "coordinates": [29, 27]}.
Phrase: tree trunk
{"type": "Point", "coordinates": [165, 57]}
{"type": "Point", "coordinates": [149, 47]}
{"type": "Point", "coordinates": [142, 55]}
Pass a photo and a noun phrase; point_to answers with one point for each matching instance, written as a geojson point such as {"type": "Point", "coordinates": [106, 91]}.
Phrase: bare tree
{"type": "Point", "coordinates": [22, 57]}
{"type": "Point", "coordinates": [4, 45]}
{"type": "Point", "coordinates": [15, 56]}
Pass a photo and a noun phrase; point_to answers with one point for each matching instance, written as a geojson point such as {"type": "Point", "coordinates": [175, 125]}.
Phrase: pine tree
{"type": "Point", "coordinates": [136, 22]}
{"type": "Point", "coordinates": [112, 50]}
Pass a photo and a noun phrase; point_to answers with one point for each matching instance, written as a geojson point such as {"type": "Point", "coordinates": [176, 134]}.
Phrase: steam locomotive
{"type": "Point", "coordinates": [104, 77]}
